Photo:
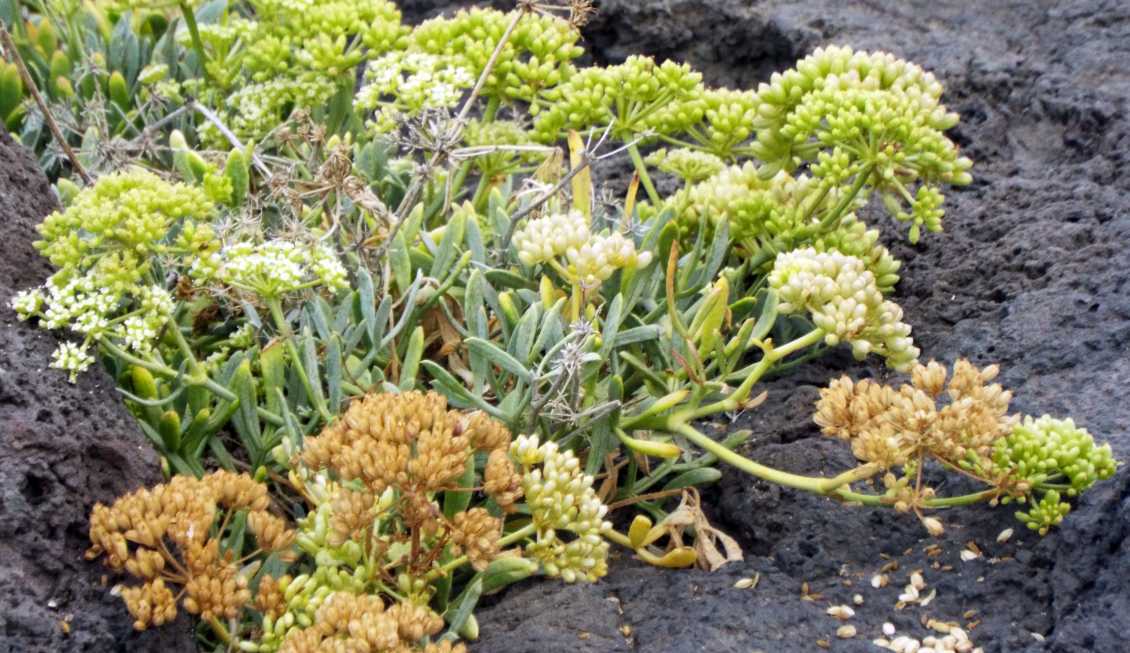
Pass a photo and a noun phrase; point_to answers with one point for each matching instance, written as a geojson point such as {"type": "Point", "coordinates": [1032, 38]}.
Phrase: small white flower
{"type": "Point", "coordinates": [71, 358]}
{"type": "Point", "coordinates": [27, 303]}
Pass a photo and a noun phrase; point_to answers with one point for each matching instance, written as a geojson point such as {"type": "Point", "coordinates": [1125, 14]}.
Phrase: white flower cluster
{"type": "Point", "coordinates": [561, 498]}
{"type": "Point", "coordinates": [844, 301]}
{"type": "Point", "coordinates": [592, 259]}
{"type": "Point", "coordinates": [89, 309]}
{"type": "Point", "coordinates": [547, 238]}
{"type": "Point", "coordinates": [406, 83]}
{"type": "Point", "coordinates": [273, 268]}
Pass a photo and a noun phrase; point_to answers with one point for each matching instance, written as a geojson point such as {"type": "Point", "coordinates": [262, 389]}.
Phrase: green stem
{"type": "Point", "coordinates": [194, 32]}
{"type": "Point", "coordinates": [938, 502]}
{"type": "Point", "coordinates": [814, 484]}
{"type": "Point", "coordinates": [833, 218]}
{"type": "Point", "coordinates": [221, 630]}
{"type": "Point", "coordinates": [645, 179]}
{"type": "Point", "coordinates": [503, 542]}
{"type": "Point", "coordinates": [283, 326]}
{"type": "Point", "coordinates": [734, 401]}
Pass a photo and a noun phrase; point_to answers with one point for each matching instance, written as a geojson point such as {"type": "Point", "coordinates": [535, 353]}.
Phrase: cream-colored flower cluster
{"type": "Point", "coordinates": [401, 84]}
{"type": "Point", "coordinates": [561, 499]}
{"type": "Point", "coordinates": [544, 239]}
{"type": "Point", "coordinates": [273, 268]}
{"type": "Point", "coordinates": [597, 260]}
{"type": "Point", "coordinates": [843, 299]}
{"type": "Point", "coordinates": [591, 259]}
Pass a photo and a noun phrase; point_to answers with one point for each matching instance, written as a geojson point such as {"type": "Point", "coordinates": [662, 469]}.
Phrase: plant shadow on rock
{"type": "Point", "coordinates": [62, 447]}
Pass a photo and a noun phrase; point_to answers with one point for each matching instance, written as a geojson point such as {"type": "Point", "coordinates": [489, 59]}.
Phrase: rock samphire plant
{"type": "Point", "coordinates": [343, 260]}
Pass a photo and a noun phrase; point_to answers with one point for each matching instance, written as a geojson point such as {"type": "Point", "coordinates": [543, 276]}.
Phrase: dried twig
{"type": "Point", "coordinates": [211, 117]}
{"type": "Point", "coordinates": [14, 54]}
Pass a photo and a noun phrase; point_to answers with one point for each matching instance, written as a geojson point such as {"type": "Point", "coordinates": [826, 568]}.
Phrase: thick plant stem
{"type": "Point", "coordinates": [645, 179]}
{"type": "Point", "coordinates": [938, 502]}
{"type": "Point", "coordinates": [283, 326]}
{"type": "Point", "coordinates": [814, 484]}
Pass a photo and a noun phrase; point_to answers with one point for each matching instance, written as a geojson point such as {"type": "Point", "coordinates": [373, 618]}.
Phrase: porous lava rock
{"type": "Point", "coordinates": [63, 446]}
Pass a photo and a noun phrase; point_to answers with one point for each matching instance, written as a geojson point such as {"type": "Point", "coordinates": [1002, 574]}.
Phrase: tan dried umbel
{"type": "Point", "coordinates": [414, 445]}
{"type": "Point", "coordinates": [893, 426]}
{"type": "Point", "coordinates": [164, 536]}
{"type": "Point", "coordinates": [360, 622]}
{"type": "Point", "coordinates": [903, 426]}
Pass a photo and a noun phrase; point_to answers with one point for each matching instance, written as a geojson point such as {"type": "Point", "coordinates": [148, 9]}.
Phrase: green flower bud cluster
{"type": "Point", "coordinates": [778, 214]}
{"type": "Point", "coordinates": [1053, 456]}
{"type": "Point", "coordinates": [843, 300]}
{"type": "Point", "coordinates": [728, 121]}
{"type": "Point", "coordinates": [499, 133]}
{"type": "Point", "coordinates": [104, 245]}
{"type": "Point", "coordinates": [293, 55]}
{"type": "Point", "coordinates": [692, 166]}
{"type": "Point", "coordinates": [561, 498]}
{"type": "Point", "coordinates": [303, 595]}
{"type": "Point", "coordinates": [755, 208]}
{"type": "Point", "coordinates": [851, 113]}
{"type": "Point", "coordinates": [637, 97]}
{"type": "Point", "coordinates": [273, 268]}
{"type": "Point", "coordinates": [402, 84]}
{"type": "Point", "coordinates": [853, 238]}
{"type": "Point", "coordinates": [537, 55]}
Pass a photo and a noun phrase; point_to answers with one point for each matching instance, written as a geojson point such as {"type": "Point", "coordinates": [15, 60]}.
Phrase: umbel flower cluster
{"type": "Point", "coordinates": [381, 482]}
{"type": "Point", "coordinates": [109, 247]}
{"type": "Point", "coordinates": [1037, 461]}
{"type": "Point", "coordinates": [845, 303]}
{"type": "Point", "coordinates": [171, 537]}
{"type": "Point", "coordinates": [589, 259]}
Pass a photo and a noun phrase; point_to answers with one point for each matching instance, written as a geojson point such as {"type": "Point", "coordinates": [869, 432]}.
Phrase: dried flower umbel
{"type": "Point", "coordinates": [972, 434]}
{"type": "Point", "coordinates": [391, 488]}
{"type": "Point", "coordinates": [171, 537]}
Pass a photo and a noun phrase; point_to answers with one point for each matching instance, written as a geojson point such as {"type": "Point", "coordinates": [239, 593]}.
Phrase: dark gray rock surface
{"type": "Point", "coordinates": [1032, 272]}
{"type": "Point", "coordinates": [62, 447]}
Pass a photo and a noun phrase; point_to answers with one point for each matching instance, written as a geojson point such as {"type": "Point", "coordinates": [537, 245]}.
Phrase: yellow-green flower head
{"type": "Point", "coordinates": [1046, 449]}
{"type": "Point", "coordinates": [848, 112]}
{"type": "Point", "coordinates": [561, 499]}
{"type": "Point", "coordinates": [692, 166]}
{"type": "Point", "coordinates": [637, 97]}
{"type": "Point", "coordinates": [403, 84]}
{"type": "Point", "coordinates": [543, 239]}
{"type": "Point", "coordinates": [537, 55]}
{"type": "Point", "coordinates": [123, 212]}
{"type": "Point", "coordinates": [843, 299]}
{"type": "Point", "coordinates": [753, 206]}
{"type": "Point", "coordinates": [600, 257]}
{"type": "Point", "coordinates": [274, 268]}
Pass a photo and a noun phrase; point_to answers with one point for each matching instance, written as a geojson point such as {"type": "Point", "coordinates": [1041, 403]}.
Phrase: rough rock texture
{"type": "Point", "coordinates": [1032, 272]}
{"type": "Point", "coordinates": [62, 447]}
